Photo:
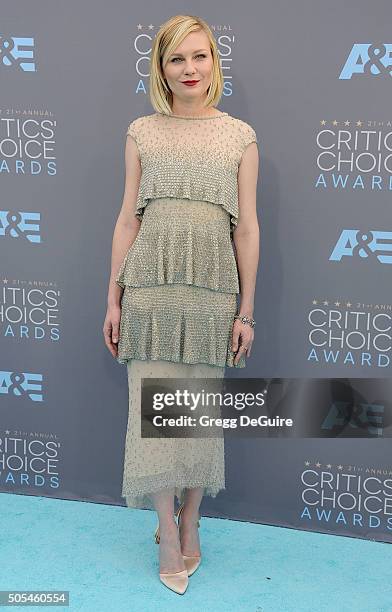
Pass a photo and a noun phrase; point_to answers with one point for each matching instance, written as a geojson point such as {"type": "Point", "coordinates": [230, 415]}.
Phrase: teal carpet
{"type": "Point", "coordinates": [106, 557]}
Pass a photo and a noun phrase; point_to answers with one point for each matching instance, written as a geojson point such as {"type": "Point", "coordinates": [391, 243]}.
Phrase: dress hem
{"type": "Point", "coordinates": [124, 361]}
{"type": "Point", "coordinates": [230, 290]}
{"type": "Point", "coordinates": [142, 501]}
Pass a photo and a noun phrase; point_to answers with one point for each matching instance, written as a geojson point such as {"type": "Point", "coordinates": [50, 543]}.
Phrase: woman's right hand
{"type": "Point", "coordinates": [111, 328]}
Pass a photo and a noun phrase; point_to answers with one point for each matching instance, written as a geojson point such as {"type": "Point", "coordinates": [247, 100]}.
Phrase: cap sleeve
{"type": "Point", "coordinates": [248, 135]}
{"type": "Point", "coordinates": [133, 132]}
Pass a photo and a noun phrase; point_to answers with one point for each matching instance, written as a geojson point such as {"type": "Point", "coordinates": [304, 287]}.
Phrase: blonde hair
{"type": "Point", "coordinates": [169, 36]}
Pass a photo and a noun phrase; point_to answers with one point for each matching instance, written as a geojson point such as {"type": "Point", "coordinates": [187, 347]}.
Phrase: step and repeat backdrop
{"type": "Point", "coordinates": [314, 80]}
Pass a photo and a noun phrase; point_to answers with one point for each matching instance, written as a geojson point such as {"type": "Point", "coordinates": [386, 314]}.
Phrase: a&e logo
{"type": "Point", "coordinates": [20, 224]}
{"type": "Point", "coordinates": [21, 384]}
{"type": "Point", "coordinates": [16, 51]}
{"type": "Point", "coordinates": [365, 58]}
{"type": "Point", "coordinates": [353, 242]}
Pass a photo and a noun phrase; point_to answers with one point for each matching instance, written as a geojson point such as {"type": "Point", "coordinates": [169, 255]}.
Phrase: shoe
{"type": "Point", "coordinates": [191, 563]}
{"type": "Point", "coordinates": [176, 581]}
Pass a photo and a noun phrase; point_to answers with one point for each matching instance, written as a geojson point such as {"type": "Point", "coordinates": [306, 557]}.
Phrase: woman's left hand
{"type": "Point", "coordinates": [243, 335]}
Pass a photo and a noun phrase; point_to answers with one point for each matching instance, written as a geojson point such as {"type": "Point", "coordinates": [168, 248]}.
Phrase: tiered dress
{"type": "Point", "coordinates": [180, 282]}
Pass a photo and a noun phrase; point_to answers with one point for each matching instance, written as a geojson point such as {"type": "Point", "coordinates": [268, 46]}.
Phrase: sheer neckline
{"type": "Point", "coordinates": [221, 114]}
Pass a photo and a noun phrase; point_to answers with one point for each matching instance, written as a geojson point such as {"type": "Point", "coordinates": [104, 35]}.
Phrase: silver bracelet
{"type": "Point", "coordinates": [246, 320]}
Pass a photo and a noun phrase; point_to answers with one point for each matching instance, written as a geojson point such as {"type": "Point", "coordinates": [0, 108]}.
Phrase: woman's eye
{"type": "Point", "coordinates": [179, 58]}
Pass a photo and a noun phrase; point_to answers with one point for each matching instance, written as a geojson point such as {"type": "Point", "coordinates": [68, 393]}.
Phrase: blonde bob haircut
{"type": "Point", "coordinates": [169, 36]}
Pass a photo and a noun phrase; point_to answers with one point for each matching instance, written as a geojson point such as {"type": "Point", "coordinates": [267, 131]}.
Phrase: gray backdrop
{"type": "Point", "coordinates": [310, 79]}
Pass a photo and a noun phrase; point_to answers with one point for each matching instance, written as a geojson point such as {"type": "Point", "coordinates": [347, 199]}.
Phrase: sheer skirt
{"type": "Point", "coordinates": [153, 464]}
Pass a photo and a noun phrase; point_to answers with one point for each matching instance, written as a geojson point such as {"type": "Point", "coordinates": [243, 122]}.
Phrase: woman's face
{"type": "Point", "coordinates": [190, 61]}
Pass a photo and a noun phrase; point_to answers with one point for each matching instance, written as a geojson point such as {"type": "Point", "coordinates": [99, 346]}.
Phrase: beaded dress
{"type": "Point", "coordinates": [180, 282]}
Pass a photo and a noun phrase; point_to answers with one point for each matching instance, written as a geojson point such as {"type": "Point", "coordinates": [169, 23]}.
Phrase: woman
{"type": "Point", "coordinates": [191, 175]}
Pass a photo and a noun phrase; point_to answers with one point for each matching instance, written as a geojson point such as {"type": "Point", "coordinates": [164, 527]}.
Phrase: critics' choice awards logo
{"type": "Point", "coordinates": [373, 244]}
{"type": "Point", "coordinates": [20, 224]}
{"type": "Point", "coordinates": [21, 384]}
{"type": "Point", "coordinates": [368, 59]}
{"type": "Point", "coordinates": [352, 497]}
{"type": "Point", "coordinates": [341, 333]}
{"type": "Point", "coordinates": [27, 146]}
{"type": "Point", "coordinates": [29, 459]}
{"type": "Point", "coordinates": [29, 311]}
{"type": "Point", "coordinates": [142, 43]}
{"type": "Point", "coordinates": [354, 155]}
{"type": "Point", "coordinates": [17, 52]}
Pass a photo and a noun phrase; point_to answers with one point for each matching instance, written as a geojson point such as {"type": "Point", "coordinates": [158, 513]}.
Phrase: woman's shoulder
{"type": "Point", "coordinates": [243, 128]}
{"type": "Point", "coordinates": [139, 123]}
{"type": "Point", "coordinates": [244, 132]}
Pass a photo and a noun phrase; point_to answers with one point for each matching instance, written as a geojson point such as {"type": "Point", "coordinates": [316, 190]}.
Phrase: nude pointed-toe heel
{"type": "Point", "coordinates": [191, 563]}
{"type": "Point", "coordinates": [176, 581]}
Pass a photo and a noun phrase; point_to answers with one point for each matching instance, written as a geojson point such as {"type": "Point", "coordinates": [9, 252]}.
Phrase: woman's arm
{"type": "Point", "coordinates": [246, 241]}
{"type": "Point", "coordinates": [127, 225]}
{"type": "Point", "coordinates": [125, 231]}
{"type": "Point", "coordinates": [246, 233]}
